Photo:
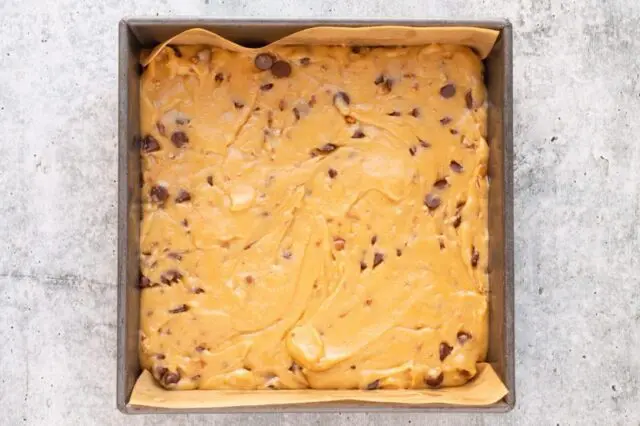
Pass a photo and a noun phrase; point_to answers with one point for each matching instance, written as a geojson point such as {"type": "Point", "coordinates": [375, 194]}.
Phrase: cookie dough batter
{"type": "Point", "coordinates": [313, 217]}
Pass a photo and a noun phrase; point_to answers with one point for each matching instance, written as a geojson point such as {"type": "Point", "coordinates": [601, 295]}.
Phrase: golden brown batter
{"type": "Point", "coordinates": [314, 217]}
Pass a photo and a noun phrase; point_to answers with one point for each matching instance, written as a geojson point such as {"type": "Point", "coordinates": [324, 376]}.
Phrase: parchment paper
{"type": "Point", "coordinates": [486, 388]}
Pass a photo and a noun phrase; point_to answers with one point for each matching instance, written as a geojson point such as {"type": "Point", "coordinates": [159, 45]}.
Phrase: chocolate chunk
{"type": "Point", "coordinates": [249, 279]}
{"type": "Point", "coordinates": [445, 350]}
{"type": "Point", "coordinates": [455, 166]}
{"type": "Point", "coordinates": [183, 196]}
{"type": "Point", "coordinates": [394, 114]}
{"type": "Point", "coordinates": [424, 144]}
{"type": "Point", "coordinates": [281, 69]}
{"type": "Point", "coordinates": [457, 222]}
{"type": "Point", "coordinates": [475, 256]}
{"type": "Point", "coordinates": [358, 134]}
{"type": "Point", "coordinates": [434, 382]}
{"type": "Point", "coordinates": [305, 62]}
{"type": "Point", "coordinates": [465, 374]}
{"type": "Point", "coordinates": [266, 87]}
{"type": "Point", "coordinates": [373, 385]}
{"type": "Point", "coordinates": [219, 78]}
{"type": "Point", "coordinates": [341, 97]}
{"type": "Point", "coordinates": [441, 183]}
{"type": "Point", "coordinates": [363, 266]}
{"type": "Point", "coordinates": [413, 150]}
{"type": "Point", "coordinates": [463, 336]}
{"type": "Point", "coordinates": [171, 276]}
{"type": "Point", "coordinates": [468, 99]}
{"type": "Point", "coordinates": [431, 201]}
{"type": "Point", "coordinates": [179, 139]}
{"type": "Point", "coordinates": [398, 252]}
{"type": "Point", "coordinates": [159, 372]}
{"type": "Point", "coordinates": [210, 180]}
{"type": "Point", "coordinates": [332, 173]}
{"type": "Point", "coordinates": [159, 194]}
{"type": "Point", "coordinates": [445, 120]}
{"type": "Point", "coordinates": [338, 243]}
{"type": "Point", "coordinates": [149, 144]}
{"type": "Point", "coordinates": [378, 81]}
{"type": "Point", "coordinates": [374, 239]}
{"type": "Point", "coordinates": [448, 90]}
{"type": "Point", "coordinates": [174, 255]}
{"type": "Point", "coordinates": [179, 309]}
{"type": "Point", "coordinates": [238, 104]}
{"type": "Point", "coordinates": [171, 378]}
{"type": "Point", "coordinates": [264, 61]}
{"type": "Point", "coordinates": [378, 258]}
{"type": "Point", "coordinates": [161, 128]}
{"type": "Point", "coordinates": [356, 49]}
{"type": "Point", "coordinates": [296, 113]}
{"type": "Point", "coordinates": [144, 282]}
{"type": "Point", "coordinates": [415, 112]}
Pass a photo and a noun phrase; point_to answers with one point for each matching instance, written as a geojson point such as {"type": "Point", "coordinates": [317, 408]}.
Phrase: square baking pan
{"type": "Point", "coordinates": [136, 34]}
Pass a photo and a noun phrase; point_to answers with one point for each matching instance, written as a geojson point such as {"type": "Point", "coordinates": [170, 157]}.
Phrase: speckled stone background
{"type": "Point", "coordinates": [577, 120]}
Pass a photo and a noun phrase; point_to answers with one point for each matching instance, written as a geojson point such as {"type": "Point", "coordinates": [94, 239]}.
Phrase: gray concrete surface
{"type": "Point", "coordinates": [577, 103]}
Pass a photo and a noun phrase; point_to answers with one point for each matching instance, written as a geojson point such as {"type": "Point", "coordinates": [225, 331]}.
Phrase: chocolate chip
{"type": "Point", "coordinates": [363, 266]}
{"type": "Point", "coordinates": [445, 120]}
{"type": "Point", "coordinates": [183, 196]}
{"type": "Point", "coordinates": [287, 254]}
{"type": "Point", "coordinates": [341, 97]}
{"type": "Point", "coordinates": [149, 144]}
{"type": "Point", "coordinates": [171, 378]}
{"type": "Point", "coordinates": [424, 144]}
{"type": "Point", "coordinates": [358, 134]}
{"type": "Point", "coordinates": [387, 86]}
{"type": "Point", "coordinates": [179, 309]}
{"type": "Point", "coordinates": [174, 255]}
{"type": "Point", "coordinates": [457, 222]}
{"type": "Point", "coordinates": [475, 256]}
{"type": "Point", "coordinates": [394, 114]}
{"type": "Point", "coordinates": [453, 131]}
{"type": "Point", "coordinates": [185, 222]}
{"type": "Point", "coordinates": [448, 90]}
{"type": "Point", "coordinates": [238, 105]}
{"type": "Point", "coordinates": [264, 61]}
{"type": "Point", "coordinates": [413, 150]}
{"type": "Point", "coordinates": [159, 372]}
{"type": "Point", "coordinates": [441, 184]}
{"type": "Point", "coordinates": [266, 87]}
{"type": "Point", "coordinates": [171, 276]}
{"type": "Point", "coordinates": [465, 374]}
{"type": "Point", "coordinates": [353, 367]}
{"type": "Point", "coordinates": [445, 350]}
{"type": "Point", "coordinates": [198, 290]}
{"type": "Point", "coordinates": [210, 180]}
{"type": "Point", "coordinates": [378, 258]}
{"type": "Point", "coordinates": [158, 194]}
{"type": "Point", "coordinates": [325, 149]}
{"type": "Point", "coordinates": [160, 356]}
{"type": "Point", "coordinates": [179, 139]}
{"type": "Point", "coordinates": [374, 239]}
{"type": "Point", "coordinates": [305, 62]}
{"type": "Point", "coordinates": [378, 81]}
{"type": "Point", "coordinates": [177, 51]}
{"type": "Point", "coordinates": [296, 113]}
{"type": "Point", "coordinates": [281, 69]}
{"type": "Point", "coordinates": [441, 243]}
{"type": "Point", "coordinates": [434, 382]}
{"type": "Point", "coordinates": [431, 201]}
{"type": "Point", "coordinates": [249, 279]}
{"type": "Point", "coordinates": [463, 337]}
{"type": "Point", "coordinates": [356, 49]}
{"type": "Point", "coordinates": [332, 173]}
{"type": "Point", "coordinates": [398, 252]}
{"type": "Point", "coordinates": [468, 99]}
{"type": "Point", "coordinates": [338, 243]}
{"type": "Point", "coordinates": [455, 166]}
{"type": "Point", "coordinates": [349, 119]}
{"type": "Point", "coordinates": [161, 128]}
{"type": "Point", "coordinates": [294, 367]}
{"type": "Point", "coordinates": [373, 385]}
{"type": "Point", "coordinates": [282, 104]}
{"type": "Point", "coordinates": [312, 101]}
{"type": "Point", "coordinates": [219, 78]}
{"type": "Point", "coordinates": [368, 302]}
{"type": "Point", "coordinates": [415, 112]}
{"type": "Point", "coordinates": [144, 282]}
